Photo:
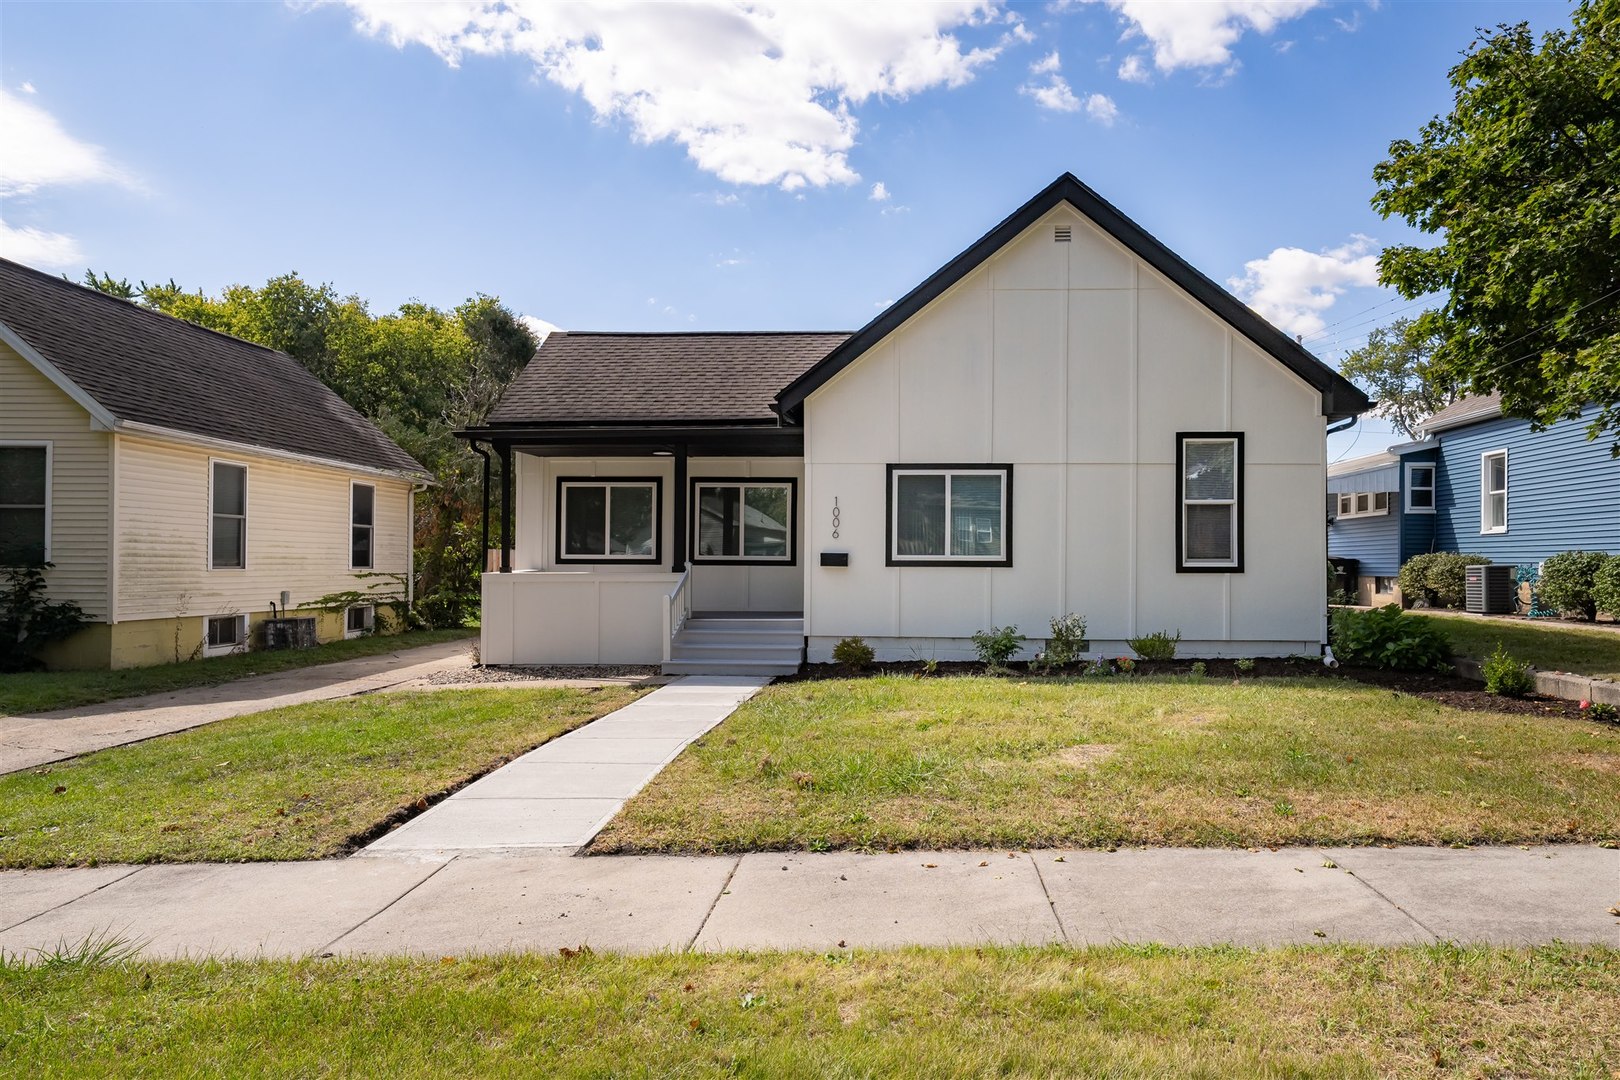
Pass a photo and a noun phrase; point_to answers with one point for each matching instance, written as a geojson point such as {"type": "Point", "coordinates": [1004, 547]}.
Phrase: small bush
{"type": "Point", "coordinates": [1244, 665]}
{"type": "Point", "coordinates": [1507, 677]}
{"type": "Point", "coordinates": [1568, 580]}
{"type": "Point", "coordinates": [1437, 579]}
{"type": "Point", "coordinates": [997, 645]}
{"type": "Point", "coordinates": [854, 654]}
{"type": "Point", "coordinates": [1068, 641]}
{"type": "Point", "coordinates": [1606, 587]}
{"type": "Point", "coordinates": [29, 621]}
{"type": "Point", "coordinates": [1413, 578]}
{"type": "Point", "coordinates": [1199, 669]}
{"type": "Point", "coordinates": [1387, 637]}
{"type": "Point", "coordinates": [1600, 710]}
{"type": "Point", "coordinates": [1155, 646]}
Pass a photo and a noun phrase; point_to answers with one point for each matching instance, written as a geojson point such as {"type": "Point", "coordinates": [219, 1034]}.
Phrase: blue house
{"type": "Point", "coordinates": [1475, 481]}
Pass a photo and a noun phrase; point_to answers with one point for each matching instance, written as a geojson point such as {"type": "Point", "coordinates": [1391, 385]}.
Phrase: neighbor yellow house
{"type": "Point", "coordinates": [184, 485]}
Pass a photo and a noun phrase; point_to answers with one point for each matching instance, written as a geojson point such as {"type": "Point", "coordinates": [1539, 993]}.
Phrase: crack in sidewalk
{"type": "Point", "coordinates": [707, 915]}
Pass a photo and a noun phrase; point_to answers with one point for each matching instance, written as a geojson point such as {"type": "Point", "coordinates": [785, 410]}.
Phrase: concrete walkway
{"type": "Point", "coordinates": [559, 795]}
{"type": "Point", "coordinates": [40, 738]}
{"type": "Point", "coordinates": [445, 905]}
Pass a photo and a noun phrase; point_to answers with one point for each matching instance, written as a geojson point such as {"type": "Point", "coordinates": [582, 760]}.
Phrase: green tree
{"type": "Point", "coordinates": [1396, 367]}
{"type": "Point", "coordinates": [1521, 180]}
{"type": "Point", "coordinates": [119, 287]}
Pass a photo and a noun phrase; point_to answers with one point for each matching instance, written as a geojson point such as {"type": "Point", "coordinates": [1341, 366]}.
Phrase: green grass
{"type": "Point", "coordinates": [982, 762]}
{"type": "Point", "coordinates": [37, 691]}
{"type": "Point", "coordinates": [293, 783]}
{"type": "Point", "coordinates": [1550, 647]}
{"type": "Point", "coordinates": [1118, 1012]}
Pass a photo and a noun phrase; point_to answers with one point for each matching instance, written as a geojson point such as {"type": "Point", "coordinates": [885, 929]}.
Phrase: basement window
{"type": "Point", "coordinates": [225, 634]}
{"type": "Point", "coordinates": [359, 621]}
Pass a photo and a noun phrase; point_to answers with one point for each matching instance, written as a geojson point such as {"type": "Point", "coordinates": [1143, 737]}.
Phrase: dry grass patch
{"type": "Point", "coordinates": [968, 762]}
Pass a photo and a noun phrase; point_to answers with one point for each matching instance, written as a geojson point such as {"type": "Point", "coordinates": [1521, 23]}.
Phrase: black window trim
{"type": "Point", "coordinates": [371, 530]}
{"type": "Point", "coordinates": [1182, 566]}
{"type": "Point", "coordinates": [760, 481]}
{"type": "Point", "coordinates": [657, 483]}
{"type": "Point", "coordinates": [960, 562]}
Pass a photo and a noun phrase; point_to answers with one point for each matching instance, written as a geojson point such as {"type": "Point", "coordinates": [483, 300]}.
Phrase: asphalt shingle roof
{"type": "Point", "coordinates": [1474, 407]}
{"type": "Point", "coordinates": [149, 368]}
{"type": "Point", "coordinates": [580, 377]}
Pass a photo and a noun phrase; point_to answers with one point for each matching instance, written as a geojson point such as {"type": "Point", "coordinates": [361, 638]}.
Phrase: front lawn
{"type": "Point", "coordinates": [294, 783]}
{"type": "Point", "coordinates": [983, 762]}
{"type": "Point", "coordinates": [1548, 646]}
{"type": "Point", "coordinates": [37, 691]}
{"type": "Point", "coordinates": [1120, 1011]}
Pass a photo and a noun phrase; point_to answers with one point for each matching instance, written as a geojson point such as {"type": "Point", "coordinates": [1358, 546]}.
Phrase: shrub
{"type": "Point", "coordinates": [28, 621]}
{"type": "Point", "coordinates": [1438, 578]}
{"type": "Point", "coordinates": [1068, 641]}
{"type": "Point", "coordinates": [1568, 580]}
{"type": "Point", "coordinates": [853, 653]}
{"type": "Point", "coordinates": [1387, 637]}
{"type": "Point", "coordinates": [1155, 646]}
{"type": "Point", "coordinates": [1199, 669]}
{"type": "Point", "coordinates": [1506, 676]}
{"type": "Point", "coordinates": [997, 645]}
{"type": "Point", "coordinates": [1600, 710]}
{"type": "Point", "coordinates": [1244, 665]}
{"type": "Point", "coordinates": [1606, 586]}
{"type": "Point", "coordinates": [1413, 578]}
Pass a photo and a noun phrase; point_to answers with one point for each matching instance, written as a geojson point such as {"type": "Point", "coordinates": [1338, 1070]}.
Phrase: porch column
{"type": "Point", "coordinates": [678, 507]}
{"type": "Point", "coordinates": [505, 450]}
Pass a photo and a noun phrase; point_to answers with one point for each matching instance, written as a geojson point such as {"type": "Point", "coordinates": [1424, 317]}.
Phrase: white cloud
{"type": "Point", "coordinates": [38, 248]}
{"type": "Point", "coordinates": [1292, 287]}
{"type": "Point", "coordinates": [1199, 33]}
{"type": "Point", "coordinates": [28, 88]}
{"type": "Point", "coordinates": [1046, 64]}
{"type": "Point", "coordinates": [757, 92]}
{"type": "Point", "coordinates": [725, 261]}
{"type": "Point", "coordinates": [723, 198]}
{"type": "Point", "coordinates": [880, 192]}
{"type": "Point", "coordinates": [1132, 69]}
{"type": "Point", "coordinates": [1101, 108]}
{"type": "Point", "coordinates": [39, 153]}
{"type": "Point", "coordinates": [1054, 95]}
{"type": "Point", "coordinates": [539, 327]}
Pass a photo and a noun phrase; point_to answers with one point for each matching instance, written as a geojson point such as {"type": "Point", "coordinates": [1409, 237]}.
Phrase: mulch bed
{"type": "Point", "coordinates": [1451, 690]}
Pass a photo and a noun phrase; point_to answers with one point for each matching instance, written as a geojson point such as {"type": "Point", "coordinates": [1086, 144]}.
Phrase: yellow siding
{"type": "Point", "coordinates": [33, 409]}
{"type": "Point", "coordinates": [297, 532]}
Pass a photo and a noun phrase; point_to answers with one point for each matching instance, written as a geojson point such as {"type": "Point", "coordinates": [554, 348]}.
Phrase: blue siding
{"type": "Point", "coordinates": [1417, 530]}
{"type": "Point", "coordinates": [1563, 490]}
{"type": "Point", "coordinates": [1376, 541]}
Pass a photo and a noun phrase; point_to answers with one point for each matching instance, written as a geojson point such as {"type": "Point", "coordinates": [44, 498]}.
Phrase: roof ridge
{"type": "Point", "coordinates": [698, 333]}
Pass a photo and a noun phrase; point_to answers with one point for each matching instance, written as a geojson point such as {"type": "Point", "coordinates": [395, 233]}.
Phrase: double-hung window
{"type": "Point", "coordinates": [950, 515]}
{"type": "Point", "coordinates": [1419, 488]}
{"type": "Point", "coordinates": [224, 634]}
{"type": "Point", "coordinates": [227, 521]}
{"type": "Point", "coordinates": [743, 521]}
{"type": "Point", "coordinates": [1209, 501]}
{"type": "Point", "coordinates": [25, 497]}
{"type": "Point", "coordinates": [1493, 492]}
{"type": "Point", "coordinates": [607, 520]}
{"type": "Point", "coordinates": [362, 526]}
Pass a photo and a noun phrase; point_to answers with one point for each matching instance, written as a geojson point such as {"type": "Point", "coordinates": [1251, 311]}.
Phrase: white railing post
{"type": "Point", "coordinates": [677, 602]}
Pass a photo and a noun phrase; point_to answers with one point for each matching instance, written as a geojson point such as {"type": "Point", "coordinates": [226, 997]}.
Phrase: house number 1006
{"type": "Point", "coordinates": [836, 514]}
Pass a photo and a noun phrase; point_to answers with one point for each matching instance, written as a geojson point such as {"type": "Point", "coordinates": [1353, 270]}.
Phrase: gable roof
{"type": "Point", "coordinates": [1340, 398]}
{"type": "Point", "coordinates": [129, 364]}
{"type": "Point", "coordinates": [1464, 411]}
{"type": "Point", "coordinates": [659, 378]}
{"type": "Point", "coordinates": [1382, 459]}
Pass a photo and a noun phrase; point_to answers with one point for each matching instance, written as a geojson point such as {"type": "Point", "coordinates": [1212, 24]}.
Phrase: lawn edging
{"type": "Point", "coordinates": [1558, 684]}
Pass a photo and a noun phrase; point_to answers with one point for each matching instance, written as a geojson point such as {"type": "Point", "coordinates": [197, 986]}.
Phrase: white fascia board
{"type": "Point", "coordinates": [208, 442]}
{"type": "Point", "coordinates": [102, 419]}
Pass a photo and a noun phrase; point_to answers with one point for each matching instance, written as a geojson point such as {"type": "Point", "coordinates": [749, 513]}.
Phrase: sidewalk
{"type": "Point", "coordinates": [447, 905]}
{"type": "Point", "coordinates": [40, 738]}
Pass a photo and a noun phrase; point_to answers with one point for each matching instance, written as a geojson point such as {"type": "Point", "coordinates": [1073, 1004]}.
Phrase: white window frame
{"type": "Point", "coordinates": [1353, 498]}
{"type": "Point", "coordinates": [1003, 558]}
{"type": "Point", "coordinates": [609, 482]}
{"type": "Point", "coordinates": [742, 486]}
{"type": "Point", "coordinates": [1431, 487]}
{"type": "Point", "coordinates": [1485, 492]}
{"type": "Point", "coordinates": [370, 620]}
{"type": "Point", "coordinates": [1234, 564]}
{"type": "Point", "coordinates": [226, 650]}
{"type": "Point", "coordinates": [50, 473]}
{"type": "Point", "coordinates": [371, 530]}
{"type": "Point", "coordinates": [246, 480]}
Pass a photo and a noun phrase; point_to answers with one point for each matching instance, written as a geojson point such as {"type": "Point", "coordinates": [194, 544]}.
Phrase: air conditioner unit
{"type": "Point", "coordinates": [1488, 589]}
{"type": "Point", "coordinates": [289, 633]}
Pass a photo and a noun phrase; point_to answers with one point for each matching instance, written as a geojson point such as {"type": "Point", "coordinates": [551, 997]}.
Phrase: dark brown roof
{"type": "Point", "coordinates": [1463, 411]}
{"type": "Point", "coordinates": [147, 368]}
{"type": "Point", "coordinates": [597, 378]}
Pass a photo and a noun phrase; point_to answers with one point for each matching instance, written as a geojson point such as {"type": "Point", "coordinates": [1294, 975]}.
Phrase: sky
{"type": "Point", "coordinates": [715, 166]}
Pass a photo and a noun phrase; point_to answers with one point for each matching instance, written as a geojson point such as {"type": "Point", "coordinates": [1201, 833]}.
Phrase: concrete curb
{"type": "Point", "coordinates": [1558, 684]}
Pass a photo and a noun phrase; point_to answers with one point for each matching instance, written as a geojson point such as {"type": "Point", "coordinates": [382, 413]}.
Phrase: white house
{"type": "Point", "coordinates": [182, 483]}
{"type": "Point", "coordinates": [1067, 417]}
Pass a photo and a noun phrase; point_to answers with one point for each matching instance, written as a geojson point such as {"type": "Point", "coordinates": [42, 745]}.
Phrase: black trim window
{"type": "Point", "coordinates": [613, 520]}
{"type": "Point", "coordinates": [362, 526]}
{"type": "Point", "coordinates": [950, 515]}
{"type": "Point", "coordinates": [24, 505]}
{"type": "Point", "coordinates": [227, 499]}
{"type": "Point", "coordinates": [1209, 501]}
{"type": "Point", "coordinates": [743, 521]}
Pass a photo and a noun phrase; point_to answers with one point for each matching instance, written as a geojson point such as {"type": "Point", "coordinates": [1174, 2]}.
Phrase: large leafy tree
{"type": "Point", "coordinates": [1521, 182]}
{"type": "Point", "coordinates": [1397, 368]}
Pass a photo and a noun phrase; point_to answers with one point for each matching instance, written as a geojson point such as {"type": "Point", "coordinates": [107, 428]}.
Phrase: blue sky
{"type": "Point", "coordinates": [696, 167]}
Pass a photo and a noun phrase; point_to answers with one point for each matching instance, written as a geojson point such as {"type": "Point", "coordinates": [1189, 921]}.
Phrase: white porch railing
{"type": "Point", "coordinates": [677, 609]}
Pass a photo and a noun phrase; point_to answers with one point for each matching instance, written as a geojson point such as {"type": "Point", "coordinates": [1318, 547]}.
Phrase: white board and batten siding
{"type": "Point", "coordinates": [297, 531]}
{"type": "Point", "coordinates": [1078, 364]}
{"type": "Point", "coordinates": [37, 411]}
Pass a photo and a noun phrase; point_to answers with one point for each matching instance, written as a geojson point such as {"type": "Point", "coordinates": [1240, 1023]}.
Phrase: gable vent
{"type": "Point", "coordinates": [1060, 234]}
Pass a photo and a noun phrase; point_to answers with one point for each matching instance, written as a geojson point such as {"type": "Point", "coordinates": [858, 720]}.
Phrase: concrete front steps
{"type": "Point", "coordinates": [738, 645]}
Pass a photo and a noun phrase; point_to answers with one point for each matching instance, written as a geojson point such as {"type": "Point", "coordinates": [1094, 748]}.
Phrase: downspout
{"type": "Point", "coordinates": [483, 549]}
{"type": "Point", "coordinates": [1327, 650]}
